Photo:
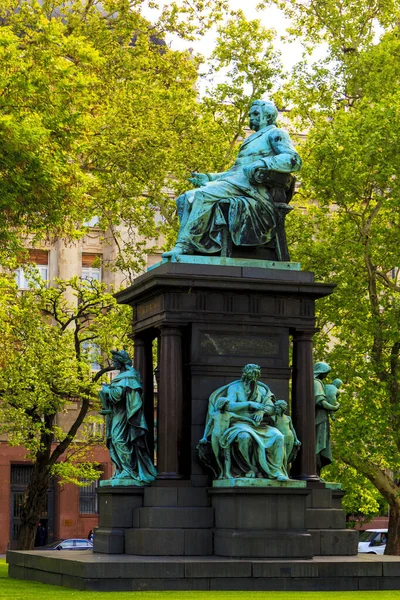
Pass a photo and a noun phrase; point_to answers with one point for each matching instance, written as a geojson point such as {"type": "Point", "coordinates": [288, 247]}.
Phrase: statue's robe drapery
{"type": "Point", "coordinates": [126, 428]}
{"type": "Point", "coordinates": [267, 456]}
{"type": "Point", "coordinates": [323, 442]}
{"type": "Point", "coordinates": [251, 212]}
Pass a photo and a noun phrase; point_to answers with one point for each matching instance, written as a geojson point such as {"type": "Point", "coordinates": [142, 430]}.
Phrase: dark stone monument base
{"type": "Point", "coordinates": [88, 570]}
{"type": "Point", "coordinates": [326, 522]}
{"type": "Point", "coordinates": [261, 522]}
{"type": "Point", "coordinates": [263, 544]}
{"type": "Point", "coordinates": [249, 522]}
{"type": "Point", "coordinates": [117, 506]}
{"type": "Point", "coordinates": [154, 521]}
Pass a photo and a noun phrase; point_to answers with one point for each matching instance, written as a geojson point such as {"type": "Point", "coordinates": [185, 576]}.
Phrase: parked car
{"type": "Point", "coordinates": [373, 541]}
{"type": "Point", "coordinates": [70, 544]}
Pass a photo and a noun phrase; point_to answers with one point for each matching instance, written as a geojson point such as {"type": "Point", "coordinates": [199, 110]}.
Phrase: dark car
{"type": "Point", "coordinates": [70, 544]}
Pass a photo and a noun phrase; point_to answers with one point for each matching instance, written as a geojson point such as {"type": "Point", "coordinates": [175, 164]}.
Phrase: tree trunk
{"type": "Point", "coordinates": [383, 481]}
{"type": "Point", "coordinates": [34, 505]}
{"type": "Point", "coordinates": [393, 543]}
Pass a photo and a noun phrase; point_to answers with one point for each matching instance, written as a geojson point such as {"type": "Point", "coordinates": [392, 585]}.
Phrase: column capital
{"type": "Point", "coordinates": [305, 334]}
{"type": "Point", "coordinates": [170, 329]}
{"type": "Point", "coordinates": [141, 338]}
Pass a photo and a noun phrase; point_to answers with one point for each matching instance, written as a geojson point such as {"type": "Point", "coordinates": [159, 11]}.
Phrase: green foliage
{"type": "Point", "coordinates": [346, 25]}
{"type": "Point", "coordinates": [47, 103]}
{"type": "Point", "coordinates": [362, 501]}
{"type": "Point", "coordinates": [95, 110]}
{"type": "Point", "coordinates": [349, 232]}
{"type": "Point", "coordinates": [47, 352]}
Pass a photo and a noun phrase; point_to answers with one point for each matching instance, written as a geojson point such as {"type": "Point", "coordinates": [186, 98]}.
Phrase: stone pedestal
{"type": "Point", "coordinates": [210, 320]}
{"type": "Point", "coordinates": [326, 522]}
{"type": "Point", "coordinates": [261, 522]}
{"type": "Point", "coordinates": [173, 521]}
{"type": "Point", "coordinates": [117, 507]}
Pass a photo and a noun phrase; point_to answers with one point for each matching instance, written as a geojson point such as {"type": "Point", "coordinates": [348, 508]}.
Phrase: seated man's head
{"type": "Point", "coordinates": [261, 114]}
{"type": "Point", "coordinates": [251, 372]}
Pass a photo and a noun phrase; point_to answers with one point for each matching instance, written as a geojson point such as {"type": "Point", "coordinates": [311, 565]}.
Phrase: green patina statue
{"type": "Point", "coordinates": [284, 423]}
{"type": "Point", "coordinates": [126, 427]}
{"type": "Point", "coordinates": [249, 201]}
{"type": "Point", "coordinates": [240, 428]}
{"type": "Point", "coordinates": [325, 405]}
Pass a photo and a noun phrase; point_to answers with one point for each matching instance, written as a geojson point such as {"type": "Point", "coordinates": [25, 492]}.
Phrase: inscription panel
{"type": "Point", "coordinates": [149, 308]}
{"type": "Point", "coordinates": [223, 344]}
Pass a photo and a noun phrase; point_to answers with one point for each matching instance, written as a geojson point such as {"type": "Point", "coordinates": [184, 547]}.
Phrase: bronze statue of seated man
{"type": "Point", "coordinates": [248, 198]}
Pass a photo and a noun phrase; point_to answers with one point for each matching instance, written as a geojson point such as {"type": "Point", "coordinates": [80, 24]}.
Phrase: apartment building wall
{"type": "Point", "coordinates": [64, 516]}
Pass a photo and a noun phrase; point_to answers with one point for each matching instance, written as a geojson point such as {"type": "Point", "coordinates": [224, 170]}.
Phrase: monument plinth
{"type": "Point", "coordinates": [208, 321]}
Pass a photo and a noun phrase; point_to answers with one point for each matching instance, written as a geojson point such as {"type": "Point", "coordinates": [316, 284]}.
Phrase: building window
{"type": "Point", "coordinates": [96, 430]}
{"type": "Point", "coordinates": [91, 269]}
{"type": "Point", "coordinates": [92, 352]}
{"type": "Point", "coordinates": [93, 222]}
{"type": "Point", "coordinates": [40, 260]}
{"type": "Point", "coordinates": [88, 498]}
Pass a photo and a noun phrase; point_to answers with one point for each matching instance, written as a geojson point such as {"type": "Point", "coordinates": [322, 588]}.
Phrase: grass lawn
{"type": "Point", "coordinates": [14, 589]}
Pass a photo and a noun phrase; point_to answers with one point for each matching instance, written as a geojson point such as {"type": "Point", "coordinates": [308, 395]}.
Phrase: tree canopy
{"type": "Point", "coordinates": [94, 110]}
{"type": "Point", "coordinates": [349, 229]}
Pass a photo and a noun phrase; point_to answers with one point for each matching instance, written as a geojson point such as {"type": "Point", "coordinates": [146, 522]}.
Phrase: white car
{"type": "Point", "coordinates": [373, 541]}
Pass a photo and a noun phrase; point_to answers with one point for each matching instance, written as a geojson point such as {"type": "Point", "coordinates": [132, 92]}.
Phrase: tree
{"type": "Point", "coordinates": [349, 229]}
{"type": "Point", "coordinates": [93, 106]}
{"type": "Point", "coordinates": [48, 94]}
{"type": "Point", "coordinates": [46, 353]}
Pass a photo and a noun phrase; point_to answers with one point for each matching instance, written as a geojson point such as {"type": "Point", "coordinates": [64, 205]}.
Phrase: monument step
{"type": "Point", "coordinates": [320, 498]}
{"type": "Point", "coordinates": [263, 544]}
{"type": "Point", "coordinates": [87, 570]}
{"type": "Point", "coordinates": [334, 542]}
{"type": "Point", "coordinates": [325, 518]}
{"type": "Point", "coordinates": [169, 542]}
{"type": "Point", "coordinates": [180, 517]}
{"type": "Point", "coordinates": [109, 540]}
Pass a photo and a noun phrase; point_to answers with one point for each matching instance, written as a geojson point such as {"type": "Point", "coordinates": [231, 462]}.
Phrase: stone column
{"type": "Point", "coordinates": [170, 404]}
{"type": "Point", "coordinates": [303, 405]}
{"type": "Point", "coordinates": [69, 264]}
{"type": "Point", "coordinates": [143, 362]}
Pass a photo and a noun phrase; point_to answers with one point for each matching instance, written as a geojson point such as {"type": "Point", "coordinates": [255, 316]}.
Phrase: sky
{"type": "Point", "coordinates": [272, 18]}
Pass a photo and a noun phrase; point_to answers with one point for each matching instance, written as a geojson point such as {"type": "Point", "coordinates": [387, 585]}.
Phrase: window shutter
{"type": "Point", "coordinates": [39, 257]}
{"type": "Point", "coordinates": [89, 259]}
